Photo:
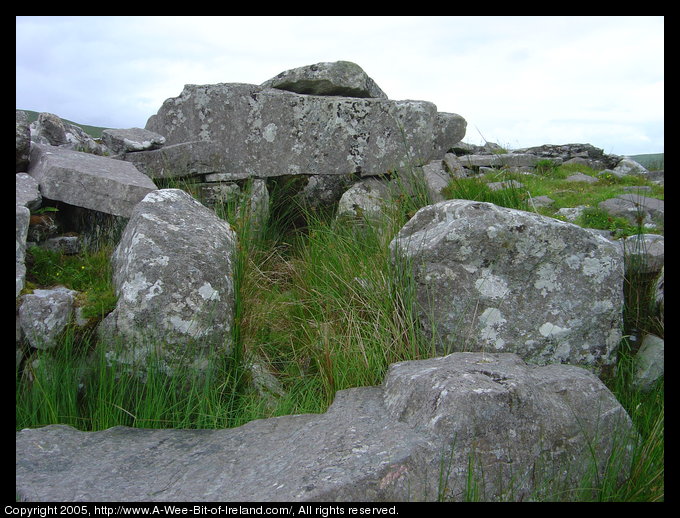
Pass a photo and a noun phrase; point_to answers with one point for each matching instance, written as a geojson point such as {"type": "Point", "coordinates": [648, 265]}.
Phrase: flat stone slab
{"type": "Point", "coordinates": [202, 157]}
{"type": "Point", "coordinates": [413, 438]}
{"type": "Point", "coordinates": [87, 180]}
{"type": "Point", "coordinates": [265, 132]}
{"type": "Point", "coordinates": [634, 207]}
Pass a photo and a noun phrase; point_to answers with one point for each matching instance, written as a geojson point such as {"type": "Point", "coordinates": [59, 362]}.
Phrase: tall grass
{"type": "Point", "coordinates": [321, 304]}
{"type": "Point", "coordinates": [318, 304]}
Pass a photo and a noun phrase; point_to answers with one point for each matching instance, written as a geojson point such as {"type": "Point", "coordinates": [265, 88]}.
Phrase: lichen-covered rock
{"type": "Point", "coordinates": [23, 216]}
{"type": "Point", "coordinates": [173, 274]}
{"type": "Point", "coordinates": [637, 209]}
{"type": "Point", "coordinates": [23, 141]}
{"type": "Point", "coordinates": [202, 157]}
{"type": "Point", "coordinates": [365, 199]}
{"type": "Point", "coordinates": [339, 78]}
{"type": "Point", "coordinates": [503, 280]}
{"type": "Point", "coordinates": [131, 140]}
{"type": "Point", "coordinates": [628, 166]}
{"type": "Point", "coordinates": [44, 314]}
{"type": "Point", "coordinates": [265, 132]}
{"type": "Point", "coordinates": [27, 191]}
{"type": "Point", "coordinates": [87, 180]}
{"type": "Point", "coordinates": [649, 362]}
{"type": "Point", "coordinates": [50, 129]}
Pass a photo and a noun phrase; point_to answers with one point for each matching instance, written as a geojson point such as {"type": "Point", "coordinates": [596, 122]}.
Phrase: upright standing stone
{"type": "Point", "coordinates": [23, 216]}
{"type": "Point", "coordinates": [173, 274]}
{"type": "Point", "coordinates": [23, 141]}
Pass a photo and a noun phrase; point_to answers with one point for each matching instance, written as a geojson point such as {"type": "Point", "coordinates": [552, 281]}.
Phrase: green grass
{"type": "Point", "coordinates": [88, 273]}
{"type": "Point", "coordinates": [551, 182]}
{"type": "Point", "coordinates": [321, 305]}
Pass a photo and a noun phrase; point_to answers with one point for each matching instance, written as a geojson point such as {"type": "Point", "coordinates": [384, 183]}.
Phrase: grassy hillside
{"type": "Point", "coordinates": [93, 131]}
{"type": "Point", "coordinates": [652, 161]}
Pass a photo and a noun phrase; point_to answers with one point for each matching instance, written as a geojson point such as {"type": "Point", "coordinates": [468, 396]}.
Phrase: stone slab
{"type": "Point", "coordinates": [87, 180]}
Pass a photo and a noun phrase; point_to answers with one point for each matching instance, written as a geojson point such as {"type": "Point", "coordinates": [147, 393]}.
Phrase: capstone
{"type": "Point", "coordinates": [264, 132]}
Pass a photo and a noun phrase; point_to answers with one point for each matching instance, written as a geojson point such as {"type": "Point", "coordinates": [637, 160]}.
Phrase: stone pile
{"type": "Point", "coordinates": [527, 293]}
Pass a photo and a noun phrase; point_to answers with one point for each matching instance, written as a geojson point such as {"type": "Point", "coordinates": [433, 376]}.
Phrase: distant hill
{"type": "Point", "coordinates": [93, 131]}
{"type": "Point", "coordinates": [652, 161]}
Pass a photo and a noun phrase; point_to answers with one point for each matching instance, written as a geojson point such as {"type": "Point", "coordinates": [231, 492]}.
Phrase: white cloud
{"type": "Point", "coordinates": [521, 80]}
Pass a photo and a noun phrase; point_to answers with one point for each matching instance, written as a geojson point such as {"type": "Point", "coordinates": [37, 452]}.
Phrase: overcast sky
{"type": "Point", "coordinates": [518, 81]}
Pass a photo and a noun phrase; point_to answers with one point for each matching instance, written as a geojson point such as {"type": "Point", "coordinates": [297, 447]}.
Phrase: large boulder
{"type": "Point", "coordinates": [339, 78]}
{"type": "Point", "coordinates": [433, 430]}
{"type": "Point", "coordinates": [87, 180]}
{"type": "Point", "coordinates": [173, 274]}
{"type": "Point", "coordinates": [265, 132]}
{"type": "Point", "coordinates": [503, 280]}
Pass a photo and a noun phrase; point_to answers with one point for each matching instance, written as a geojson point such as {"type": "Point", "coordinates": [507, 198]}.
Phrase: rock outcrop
{"type": "Point", "coordinates": [520, 432]}
{"type": "Point", "coordinates": [504, 280]}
